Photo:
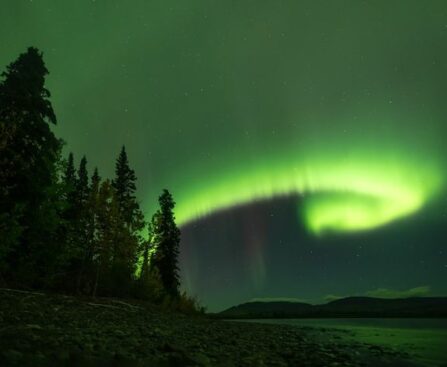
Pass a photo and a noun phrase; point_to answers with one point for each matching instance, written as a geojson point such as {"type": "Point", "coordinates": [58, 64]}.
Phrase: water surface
{"type": "Point", "coordinates": [424, 339]}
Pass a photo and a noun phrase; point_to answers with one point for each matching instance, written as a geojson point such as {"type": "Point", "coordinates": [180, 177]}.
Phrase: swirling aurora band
{"type": "Point", "coordinates": [345, 192]}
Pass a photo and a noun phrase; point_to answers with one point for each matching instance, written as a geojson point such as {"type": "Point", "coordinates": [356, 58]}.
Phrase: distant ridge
{"type": "Point", "coordinates": [345, 307]}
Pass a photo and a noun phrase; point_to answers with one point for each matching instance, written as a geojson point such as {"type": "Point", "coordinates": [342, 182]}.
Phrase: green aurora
{"type": "Point", "coordinates": [352, 184]}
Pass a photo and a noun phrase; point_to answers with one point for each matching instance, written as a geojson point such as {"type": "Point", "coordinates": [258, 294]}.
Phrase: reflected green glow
{"type": "Point", "coordinates": [353, 189]}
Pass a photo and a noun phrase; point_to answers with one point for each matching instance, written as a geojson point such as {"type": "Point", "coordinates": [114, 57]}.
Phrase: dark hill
{"type": "Point", "coordinates": [267, 309]}
{"type": "Point", "coordinates": [346, 307]}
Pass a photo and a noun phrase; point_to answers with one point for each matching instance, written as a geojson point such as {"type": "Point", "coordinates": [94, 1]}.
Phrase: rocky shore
{"type": "Point", "coordinates": [38, 329]}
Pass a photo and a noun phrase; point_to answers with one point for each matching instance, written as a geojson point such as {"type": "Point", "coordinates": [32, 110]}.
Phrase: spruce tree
{"type": "Point", "coordinates": [82, 185]}
{"type": "Point", "coordinates": [93, 230]}
{"type": "Point", "coordinates": [26, 111]}
{"type": "Point", "coordinates": [82, 194]}
{"type": "Point", "coordinates": [82, 223]}
{"type": "Point", "coordinates": [69, 182]}
{"type": "Point", "coordinates": [148, 249]}
{"type": "Point", "coordinates": [28, 165]}
{"type": "Point", "coordinates": [104, 239]}
{"type": "Point", "coordinates": [127, 248]}
{"type": "Point", "coordinates": [10, 211]}
{"type": "Point", "coordinates": [108, 226]}
{"type": "Point", "coordinates": [93, 205]}
{"type": "Point", "coordinates": [96, 180]}
{"type": "Point", "coordinates": [68, 236]}
{"type": "Point", "coordinates": [70, 173]}
{"type": "Point", "coordinates": [166, 240]}
{"type": "Point", "coordinates": [125, 187]}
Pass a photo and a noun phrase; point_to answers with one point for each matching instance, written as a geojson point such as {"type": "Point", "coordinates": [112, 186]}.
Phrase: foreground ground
{"type": "Point", "coordinates": [40, 329]}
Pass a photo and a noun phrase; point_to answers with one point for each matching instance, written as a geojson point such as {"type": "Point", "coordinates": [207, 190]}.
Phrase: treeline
{"type": "Point", "coordinates": [63, 229]}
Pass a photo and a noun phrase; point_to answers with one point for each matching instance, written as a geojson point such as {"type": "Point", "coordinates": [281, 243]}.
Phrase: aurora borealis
{"type": "Point", "coordinates": [358, 193]}
{"type": "Point", "coordinates": [304, 141]}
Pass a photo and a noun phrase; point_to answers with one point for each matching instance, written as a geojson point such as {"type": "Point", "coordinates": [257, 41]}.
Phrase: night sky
{"type": "Point", "coordinates": [304, 141]}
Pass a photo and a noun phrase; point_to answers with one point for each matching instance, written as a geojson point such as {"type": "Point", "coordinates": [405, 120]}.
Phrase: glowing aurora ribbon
{"type": "Point", "coordinates": [345, 193]}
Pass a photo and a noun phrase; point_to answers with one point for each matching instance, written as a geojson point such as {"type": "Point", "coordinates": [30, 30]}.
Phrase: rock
{"type": "Point", "coordinates": [171, 348]}
{"type": "Point", "coordinates": [120, 334]}
{"type": "Point", "coordinates": [62, 354]}
{"type": "Point", "coordinates": [201, 359]}
{"type": "Point", "coordinates": [123, 359]}
{"type": "Point", "coordinates": [376, 349]}
{"type": "Point", "coordinates": [33, 327]}
{"type": "Point", "coordinates": [12, 356]}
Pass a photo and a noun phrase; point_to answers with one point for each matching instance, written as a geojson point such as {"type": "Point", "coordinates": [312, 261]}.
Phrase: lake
{"type": "Point", "coordinates": [424, 339]}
